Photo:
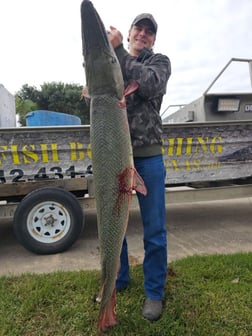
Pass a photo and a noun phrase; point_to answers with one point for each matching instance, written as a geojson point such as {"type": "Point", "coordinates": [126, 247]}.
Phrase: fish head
{"type": "Point", "coordinates": [102, 68]}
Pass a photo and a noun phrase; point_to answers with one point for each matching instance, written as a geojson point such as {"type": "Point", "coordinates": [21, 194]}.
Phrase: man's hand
{"type": "Point", "coordinates": [115, 37]}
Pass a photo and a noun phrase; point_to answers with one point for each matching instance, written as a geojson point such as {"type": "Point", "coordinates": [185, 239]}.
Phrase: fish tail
{"type": "Point", "coordinates": [107, 316]}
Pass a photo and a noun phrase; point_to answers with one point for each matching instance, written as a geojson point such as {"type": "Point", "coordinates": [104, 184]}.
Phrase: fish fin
{"type": "Point", "coordinates": [122, 103]}
{"type": "Point", "coordinates": [138, 183]}
{"type": "Point", "coordinates": [107, 316]}
{"type": "Point", "coordinates": [131, 87]}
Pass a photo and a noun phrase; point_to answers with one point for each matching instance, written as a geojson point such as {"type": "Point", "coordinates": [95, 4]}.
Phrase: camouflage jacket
{"type": "Point", "coordinates": [152, 72]}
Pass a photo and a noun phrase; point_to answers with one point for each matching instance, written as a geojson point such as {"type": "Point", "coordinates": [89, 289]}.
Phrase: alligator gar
{"type": "Point", "coordinates": [112, 160]}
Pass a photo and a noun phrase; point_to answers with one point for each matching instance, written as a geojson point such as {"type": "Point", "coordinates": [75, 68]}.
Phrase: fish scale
{"type": "Point", "coordinates": [111, 155]}
{"type": "Point", "coordinates": [112, 160]}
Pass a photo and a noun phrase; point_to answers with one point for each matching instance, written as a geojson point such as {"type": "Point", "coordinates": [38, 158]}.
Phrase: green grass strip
{"type": "Point", "coordinates": [205, 296]}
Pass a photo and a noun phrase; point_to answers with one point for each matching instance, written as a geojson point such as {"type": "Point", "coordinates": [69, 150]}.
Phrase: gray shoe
{"type": "Point", "coordinates": [152, 309]}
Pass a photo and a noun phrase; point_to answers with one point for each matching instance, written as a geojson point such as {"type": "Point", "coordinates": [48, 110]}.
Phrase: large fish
{"type": "Point", "coordinates": [113, 169]}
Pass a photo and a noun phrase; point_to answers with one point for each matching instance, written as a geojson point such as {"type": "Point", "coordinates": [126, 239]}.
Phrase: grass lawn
{"type": "Point", "coordinates": [205, 296]}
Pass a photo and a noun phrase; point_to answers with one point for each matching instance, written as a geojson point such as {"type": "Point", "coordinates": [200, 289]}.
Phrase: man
{"type": "Point", "coordinates": [152, 72]}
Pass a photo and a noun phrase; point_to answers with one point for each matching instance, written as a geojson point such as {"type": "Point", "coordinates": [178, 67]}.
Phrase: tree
{"type": "Point", "coordinates": [55, 96]}
{"type": "Point", "coordinates": [23, 106]}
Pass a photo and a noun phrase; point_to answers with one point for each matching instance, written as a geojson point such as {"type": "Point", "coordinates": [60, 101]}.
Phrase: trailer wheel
{"type": "Point", "coordinates": [48, 220]}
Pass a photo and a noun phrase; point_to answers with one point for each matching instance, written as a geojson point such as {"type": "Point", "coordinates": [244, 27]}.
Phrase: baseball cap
{"type": "Point", "coordinates": [146, 16]}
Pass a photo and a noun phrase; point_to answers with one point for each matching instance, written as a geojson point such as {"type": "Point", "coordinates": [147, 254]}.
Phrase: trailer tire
{"type": "Point", "coordinates": [48, 220]}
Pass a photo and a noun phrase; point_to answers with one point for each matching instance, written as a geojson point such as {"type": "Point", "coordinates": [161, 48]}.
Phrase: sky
{"type": "Point", "coordinates": [40, 42]}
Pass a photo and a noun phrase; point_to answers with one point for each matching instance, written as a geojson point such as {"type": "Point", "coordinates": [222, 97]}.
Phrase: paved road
{"type": "Point", "coordinates": [198, 228]}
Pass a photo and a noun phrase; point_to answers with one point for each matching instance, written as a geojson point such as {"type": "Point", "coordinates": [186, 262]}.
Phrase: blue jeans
{"type": "Point", "coordinates": [152, 207]}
